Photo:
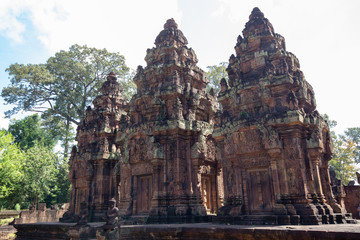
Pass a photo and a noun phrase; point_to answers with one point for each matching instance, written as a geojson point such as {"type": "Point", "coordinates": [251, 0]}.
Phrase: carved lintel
{"type": "Point", "coordinates": [274, 153]}
{"type": "Point", "coordinates": [157, 163]}
{"type": "Point", "coordinates": [315, 155]}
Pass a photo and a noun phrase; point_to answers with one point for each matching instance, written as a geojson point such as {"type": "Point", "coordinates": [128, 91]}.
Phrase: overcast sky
{"type": "Point", "coordinates": [323, 34]}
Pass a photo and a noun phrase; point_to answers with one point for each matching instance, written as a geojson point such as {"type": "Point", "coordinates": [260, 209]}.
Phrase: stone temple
{"type": "Point", "coordinates": [255, 154]}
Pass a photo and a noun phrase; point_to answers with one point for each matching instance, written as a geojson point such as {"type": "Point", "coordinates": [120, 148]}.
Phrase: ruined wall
{"type": "Point", "coordinates": [352, 200]}
{"type": "Point", "coordinates": [41, 214]}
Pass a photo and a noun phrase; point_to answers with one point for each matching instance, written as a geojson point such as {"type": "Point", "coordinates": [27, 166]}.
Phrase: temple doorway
{"type": "Point", "coordinates": [144, 194]}
{"type": "Point", "coordinates": [208, 193]}
{"type": "Point", "coordinates": [259, 190]}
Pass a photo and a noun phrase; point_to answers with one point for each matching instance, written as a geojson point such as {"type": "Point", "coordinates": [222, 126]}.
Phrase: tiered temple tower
{"type": "Point", "coordinates": [275, 146]}
{"type": "Point", "coordinates": [168, 170]}
{"type": "Point", "coordinates": [171, 155]}
{"type": "Point", "coordinates": [93, 170]}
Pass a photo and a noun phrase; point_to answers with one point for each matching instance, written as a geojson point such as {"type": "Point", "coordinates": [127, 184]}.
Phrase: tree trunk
{"type": "Point", "coordinates": [36, 199]}
{"type": "Point", "coordinates": [67, 140]}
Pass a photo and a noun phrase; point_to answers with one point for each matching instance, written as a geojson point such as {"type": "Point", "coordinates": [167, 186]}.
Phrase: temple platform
{"type": "Point", "coordinates": [189, 231]}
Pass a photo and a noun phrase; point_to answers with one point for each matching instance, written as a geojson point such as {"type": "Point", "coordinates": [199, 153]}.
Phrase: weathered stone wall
{"type": "Point", "coordinates": [34, 216]}
{"type": "Point", "coordinates": [8, 213]}
{"type": "Point", "coordinates": [352, 200]}
{"type": "Point", "coordinates": [189, 231]}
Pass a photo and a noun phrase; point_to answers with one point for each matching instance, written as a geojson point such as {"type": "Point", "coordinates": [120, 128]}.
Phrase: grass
{"type": "Point", "coordinates": [11, 236]}
{"type": "Point", "coordinates": [6, 221]}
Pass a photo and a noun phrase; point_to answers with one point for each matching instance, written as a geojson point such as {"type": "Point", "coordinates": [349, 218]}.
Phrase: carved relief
{"type": "Point", "coordinates": [172, 151]}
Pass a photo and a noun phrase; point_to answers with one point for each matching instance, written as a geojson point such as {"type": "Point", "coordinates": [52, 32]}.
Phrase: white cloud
{"type": "Point", "coordinates": [238, 11]}
{"type": "Point", "coordinates": [129, 27]}
{"type": "Point", "coordinates": [10, 26]}
{"type": "Point", "coordinates": [322, 34]}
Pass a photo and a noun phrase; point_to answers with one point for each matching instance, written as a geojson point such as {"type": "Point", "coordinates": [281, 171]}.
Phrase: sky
{"type": "Point", "coordinates": [323, 34]}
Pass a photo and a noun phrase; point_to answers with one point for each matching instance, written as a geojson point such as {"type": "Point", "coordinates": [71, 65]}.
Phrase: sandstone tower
{"type": "Point", "coordinates": [275, 146]}
{"type": "Point", "coordinates": [172, 155]}
{"type": "Point", "coordinates": [93, 170]}
{"type": "Point", "coordinates": [168, 149]}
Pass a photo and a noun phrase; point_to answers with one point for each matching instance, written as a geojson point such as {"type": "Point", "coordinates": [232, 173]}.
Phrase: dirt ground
{"type": "Point", "coordinates": [7, 232]}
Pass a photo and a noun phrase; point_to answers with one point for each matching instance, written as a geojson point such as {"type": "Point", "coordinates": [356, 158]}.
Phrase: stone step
{"type": "Point", "coordinates": [135, 220]}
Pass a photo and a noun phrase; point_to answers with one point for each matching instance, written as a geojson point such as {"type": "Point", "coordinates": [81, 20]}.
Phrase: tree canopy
{"type": "Point", "coordinates": [12, 160]}
{"type": "Point", "coordinates": [343, 160]}
{"type": "Point", "coordinates": [64, 86]}
{"type": "Point", "coordinates": [29, 131]}
{"type": "Point", "coordinates": [215, 73]}
{"type": "Point", "coordinates": [30, 175]}
{"type": "Point", "coordinates": [345, 152]}
{"type": "Point", "coordinates": [40, 174]}
{"type": "Point", "coordinates": [353, 135]}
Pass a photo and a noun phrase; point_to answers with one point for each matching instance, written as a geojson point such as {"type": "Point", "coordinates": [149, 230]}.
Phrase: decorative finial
{"type": "Point", "coordinates": [170, 23]}
{"type": "Point", "coordinates": [111, 76]}
{"type": "Point", "coordinates": [224, 85]}
{"type": "Point", "coordinates": [256, 13]}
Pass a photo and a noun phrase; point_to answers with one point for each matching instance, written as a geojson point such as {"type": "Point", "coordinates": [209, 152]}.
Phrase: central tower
{"type": "Point", "coordinates": [168, 169]}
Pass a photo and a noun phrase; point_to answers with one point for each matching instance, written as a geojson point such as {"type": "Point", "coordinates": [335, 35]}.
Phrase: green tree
{"type": "Point", "coordinates": [65, 85]}
{"type": "Point", "coordinates": [29, 169]}
{"type": "Point", "coordinates": [40, 174]}
{"type": "Point", "coordinates": [215, 73]}
{"type": "Point", "coordinates": [331, 123]}
{"type": "Point", "coordinates": [58, 128]}
{"type": "Point", "coordinates": [353, 135]}
{"type": "Point", "coordinates": [345, 151]}
{"type": "Point", "coordinates": [61, 190]}
{"type": "Point", "coordinates": [29, 131]}
{"type": "Point", "coordinates": [12, 160]}
{"type": "Point", "coordinates": [343, 160]}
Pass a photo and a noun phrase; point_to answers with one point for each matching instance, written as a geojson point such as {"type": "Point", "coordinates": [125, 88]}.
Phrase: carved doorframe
{"type": "Point", "coordinates": [143, 193]}
{"type": "Point", "coordinates": [259, 190]}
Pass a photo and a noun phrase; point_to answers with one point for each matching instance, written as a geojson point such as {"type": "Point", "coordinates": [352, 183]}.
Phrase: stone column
{"type": "Point", "coordinates": [195, 179]}
{"type": "Point", "coordinates": [275, 156]}
{"type": "Point", "coordinates": [97, 189]}
{"type": "Point", "coordinates": [325, 182]}
{"type": "Point", "coordinates": [279, 207]}
{"type": "Point", "coordinates": [315, 158]}
{"type": "Point", "coordinates": [219, 187]}
{"type": "Point", "coordinates": [156, 178]}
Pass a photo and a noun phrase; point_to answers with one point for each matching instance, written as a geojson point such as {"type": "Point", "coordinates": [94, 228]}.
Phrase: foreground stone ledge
{"type": "Point", "coordinates": [55, 230]}
{"type": "Point", "coordinates": [218, 231]}
{"type": "Point", "coordinates": [194, 231]}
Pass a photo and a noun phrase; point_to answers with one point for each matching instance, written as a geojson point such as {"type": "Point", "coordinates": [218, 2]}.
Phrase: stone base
{"type": "Point", "coordinates": [97, 215]}
{"type": "Point", "coordinates": [177, 219]}
{"type": "Point", "coordinates": [258, 220]}
{"type": "Point", "coordinates": [102, 234]}
{"type": "Point", "coordinates": [180, 213]}
{"type": "Point", "coordinates": [202, 231]}
{"type": "Point", "coordinates": [56, 231]}
{"type": "Point", "coordinates": [142, 219]}
{"type": "Point", "coordinates": [285, 219]}
{"type": "Point", "coordinates": [42, 230]}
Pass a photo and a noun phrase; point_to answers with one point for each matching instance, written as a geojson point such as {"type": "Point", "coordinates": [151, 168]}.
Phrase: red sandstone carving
{"type": "Point", "coordinates": [172, 156]}
{"type": "Point", "coordinates": [275, 146]}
